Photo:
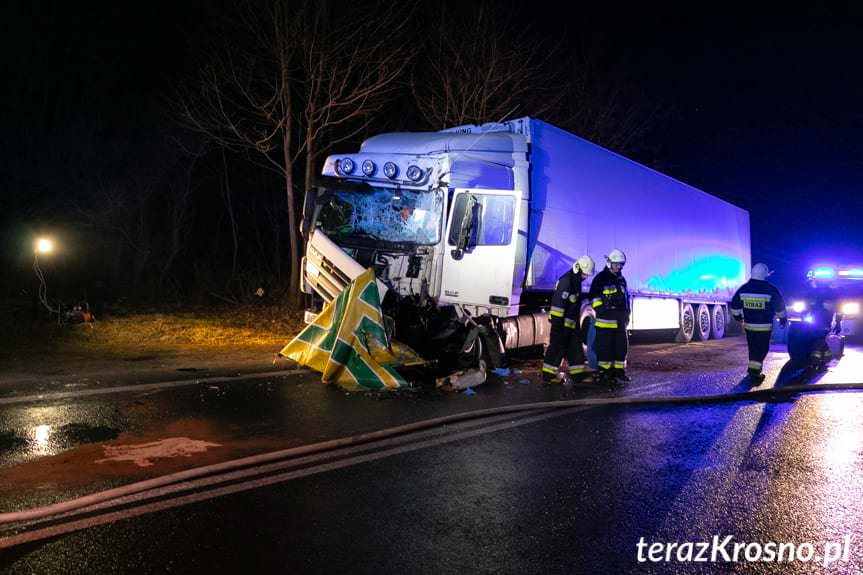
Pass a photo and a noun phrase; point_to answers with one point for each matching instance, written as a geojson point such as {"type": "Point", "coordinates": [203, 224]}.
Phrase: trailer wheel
{"type": "Point", "coordinates": [702, 323]}
{"type": "Point", "coordinates": [687, 324]}
{"type": "Point", "coordinates": [717, 322]}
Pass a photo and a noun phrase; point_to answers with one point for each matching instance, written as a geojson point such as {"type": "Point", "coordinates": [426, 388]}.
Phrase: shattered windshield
{"type": "Point", "coordinates": [382, 214]}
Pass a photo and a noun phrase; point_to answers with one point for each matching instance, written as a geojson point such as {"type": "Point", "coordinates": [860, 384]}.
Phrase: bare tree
{"type": "Point", "coordinates": [480, 66]}
{"type": "Point", "coordinates": [484, 65]}
{"type": "Point", "coordinates": [285, 76]}
{"type": "Point", "coordinates": [603, 106]}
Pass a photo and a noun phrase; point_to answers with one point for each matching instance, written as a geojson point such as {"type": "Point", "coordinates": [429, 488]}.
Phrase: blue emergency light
{"type": "Point", "coordinates": [821, 273]}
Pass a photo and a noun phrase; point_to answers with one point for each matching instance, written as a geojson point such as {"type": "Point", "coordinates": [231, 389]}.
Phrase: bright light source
{"type": "Point", "coordinates": [850, 308]}
{"type": "Point", "coordinates": [798, 306]}
{"type": "Point", "coordinates": [369, 167]}
{"type": "Point", "coordinates": [655, 313]}
{"type": "Point", "coordinates": [41, 434]}
{"type": "Point", "coordinates": [852, 273]}
{"type": "Point", "coordinates": [44, 245]}
{"type": "Point", "coordinates": [346, 166]}
{"type": "Point", "coordinates": [823, 273]}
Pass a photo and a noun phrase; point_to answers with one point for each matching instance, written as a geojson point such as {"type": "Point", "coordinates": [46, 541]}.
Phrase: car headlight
{"type": "Point", "coordinates": [850, 308]}
{"type": "Point", "coordinates": [798, 306]}
{"type": "Point", "coordinates": [369, 167]}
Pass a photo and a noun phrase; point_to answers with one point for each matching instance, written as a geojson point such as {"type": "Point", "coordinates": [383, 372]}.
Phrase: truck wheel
{"type": "Point", "coordinates": [702, 323]}
{"type": "Point", "coordinates": [687, 324]}
{"type": "Point", "coordinates": [717, 322]}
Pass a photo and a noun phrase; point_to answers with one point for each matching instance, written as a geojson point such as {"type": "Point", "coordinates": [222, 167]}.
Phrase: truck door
{"type": "Point", "coordinates": [480, 247]}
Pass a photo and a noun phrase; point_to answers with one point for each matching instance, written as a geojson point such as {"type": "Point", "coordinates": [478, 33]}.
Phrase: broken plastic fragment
{"type": "Point", "coordinates": [469, 391]}
{"type": "Point", "coordinates": [502, 371]}
{"type": "Point", "coordinates": [463, 379]}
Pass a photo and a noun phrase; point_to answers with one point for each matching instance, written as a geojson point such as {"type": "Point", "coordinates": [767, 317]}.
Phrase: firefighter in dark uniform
{"type": "Point", "coordinates": [565, 336]}
{"type": "Point", "coordinates": [821, 310]}
{"type": "Point", "coordinates": [756, 302]}
{"type": "Point", "coordinates": [609, 297]}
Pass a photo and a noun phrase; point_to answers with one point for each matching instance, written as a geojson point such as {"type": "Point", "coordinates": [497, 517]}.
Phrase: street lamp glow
{"type": "Point", "coordinates": [44, 246]}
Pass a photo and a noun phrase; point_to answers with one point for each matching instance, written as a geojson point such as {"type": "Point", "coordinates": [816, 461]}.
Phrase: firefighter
{"type": "Point", "coordinates": [565, 336]}
{"type": "Point", "coordinates": [609, 297]}
{"type": "Point", "coordinates": [756, 302]}
{"type": "Point", "coordinates": [822, 312]}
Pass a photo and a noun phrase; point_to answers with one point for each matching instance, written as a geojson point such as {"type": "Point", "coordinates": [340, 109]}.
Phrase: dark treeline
{"type": "Point", "coordinates": [168, 150]}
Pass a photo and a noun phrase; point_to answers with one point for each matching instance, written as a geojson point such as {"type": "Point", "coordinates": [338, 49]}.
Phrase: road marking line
{"type": "Point", "coordinates": [146, 386]}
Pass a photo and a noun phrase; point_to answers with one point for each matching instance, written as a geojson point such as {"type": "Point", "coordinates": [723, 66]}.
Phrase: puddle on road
{"type": "Point", "coordinates": [10, 441]}
{"type": "Point", "coordinates": [49, 440]}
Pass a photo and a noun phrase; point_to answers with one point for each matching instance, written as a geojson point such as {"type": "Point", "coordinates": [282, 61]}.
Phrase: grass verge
{"type": "Point", "coordinates": [198, 329]}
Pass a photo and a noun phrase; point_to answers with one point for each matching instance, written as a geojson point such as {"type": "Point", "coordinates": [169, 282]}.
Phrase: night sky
{"type": "Point", "coordinates": [766, 102]}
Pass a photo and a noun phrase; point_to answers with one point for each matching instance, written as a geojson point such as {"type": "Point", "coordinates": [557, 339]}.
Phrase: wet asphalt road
{"type": "Point", "coordinates": [572, 491]}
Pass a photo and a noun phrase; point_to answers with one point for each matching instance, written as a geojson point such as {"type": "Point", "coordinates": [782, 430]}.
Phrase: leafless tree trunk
{"type": "Point", "coordinates": [180, 189]}
{"type": "Point", "coordinates": [227, 198]}
{"type": "Point", "coordinates": [284, 72]}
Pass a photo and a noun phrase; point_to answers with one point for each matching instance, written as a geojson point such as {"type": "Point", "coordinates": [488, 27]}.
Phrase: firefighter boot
{"type": "Point", "coordinates": [551, 378]}
{"type": "Point", "coordinates": [581, 378]}
{"type": "Point", "coordinates": [605, 377]}
{"type": "Point", "coordinates": [755, 377]}
{"type": "Point", "coordinates": [621, 376]}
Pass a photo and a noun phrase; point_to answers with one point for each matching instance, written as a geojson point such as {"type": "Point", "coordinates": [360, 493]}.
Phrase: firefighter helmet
{"type": "Point", "coordinates": [583, 264]}
{"type": "Point", "coordinates": [616, 256]}
{"type": "Point", "coordinates": [760, 271]}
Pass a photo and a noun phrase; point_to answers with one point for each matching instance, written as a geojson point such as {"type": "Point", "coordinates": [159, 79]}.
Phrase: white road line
{"type": "Point", "coordinates": [145, 386]}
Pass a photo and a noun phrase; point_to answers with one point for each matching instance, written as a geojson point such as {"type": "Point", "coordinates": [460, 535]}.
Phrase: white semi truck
{"type": "Point", "coordinates": [469, 228]}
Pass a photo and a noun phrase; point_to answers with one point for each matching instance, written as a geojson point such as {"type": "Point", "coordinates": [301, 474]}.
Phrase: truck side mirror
{"type": "Point", "coordinates": [464, 230]}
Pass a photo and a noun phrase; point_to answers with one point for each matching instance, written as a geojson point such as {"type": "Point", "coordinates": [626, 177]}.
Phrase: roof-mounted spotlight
{"type": "Point", "coordinates": [414, 173]}
{"type": "Point", "coordinates": [347, 166]}
{"type": "Point", "coordinates": [391, 170]}
{"type": "Point", "coordinates": [369, 167]}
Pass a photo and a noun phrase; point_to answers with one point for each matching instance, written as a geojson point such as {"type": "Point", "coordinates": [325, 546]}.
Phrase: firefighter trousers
{"type": "Point", "coordinates": [612, 345]}
{"type": "Point", "coordinates": [563, 341]}
{"type": "Point", "coordinates": [758, 343]}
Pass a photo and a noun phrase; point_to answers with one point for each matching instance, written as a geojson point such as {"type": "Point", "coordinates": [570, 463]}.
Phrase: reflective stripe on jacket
{"type": "Point", "coordinates": [609, 297]}
{"type": "Point", "coordinates": [566, 300]}
{"type": "Point", "coordinates": [756, 302]}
